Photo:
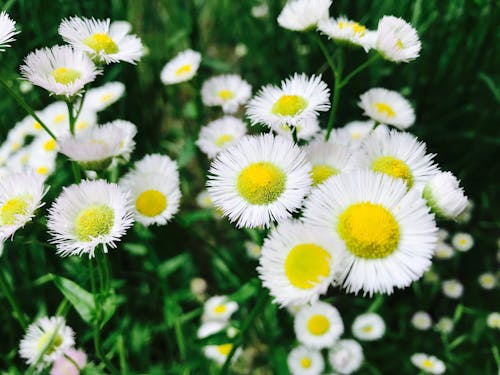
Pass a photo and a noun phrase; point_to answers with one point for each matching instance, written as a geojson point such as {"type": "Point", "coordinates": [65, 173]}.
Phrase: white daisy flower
{"type": "Point", "coordinates": [299, 98]}
{"type": "Point", "coordinates": [198, 286]}
{"type": "Point", "coordinates": [210, 327]}
{"type": "Point", "coordinates": [428, 363]}
{"type": "Point", "coordinates": [399, 155]}
{"type": "Point", "coordinates": [20, 195]}
{"type": "Point", "coordinates": [100, 98]}
{"type": "Point", "coordinates": [219, 353]}
{"type": "Point", "coordinates": [47, 335]}
{"type": "Point", "coordinates": [42, 164]}
{"type": "Point", "coordinates": [397, 40]}
{"type": "Point", "coordinates": [218, 308]}
{"type": "Point", "coordinates": [305, 361]}
{"type": "Point", "coordinates": [443, 250]}
{"type": "Point", "coordinates": [259, 180]}
{"type": "Point", "coordinates": [368, 327]}
{"type": "Point", "coordinates": [228, 91]}
{"type": "Point", "coordinates": [346, 356]}
{"type": "Point", "coordinates": [345, 31]}
{"type": "Point", "coordinates": [389, 233]}
{"type": "Point", "coordinates": [327, 160]}
{"type": "Point", "coordinates": [306, 129]}
{"type": "Point", "coordinates": [299, 262]}
{"type": "Point", "coordinates": [487, 280]}
{"type": "Point", "coordinates": [7, 31]}
{"type": "Point", "coordinates": [181, 68]}
{"type": "Point", "coordinates": [318, 326]}
{"type": "Point", "coordinates": [444, 195]}
{"type": "Point", "coordinates": [60, 70]}
{"type": "Point", "coordinates": [352, 134]}
{"type": "Point", "coordinates": [303, 15]}
{"type": "Point", "coordinates": [155, 193]}
{"type": "Point", "coordinates": [203, 199]}
{"type": "Point", "coordinates": [387, 107]}
{"type": "Point", "coordinates": [69, 366]}
{"type": "Point", "coordinates": [493, 320]}
{"type": "Point", "coordinates": [253, 250]}
{"type": "Point", "coordinates": [421, 321]}
{"type": "Point", "coordinates": [25, 87]}
{"type": "Point", "coordinates": [104, 44]}
{"type": "Point", "coordinates": [462, 241]}
{"type": "Point", "coordinates": [56, 117]}
{"type": "Point", "coordinates": [87, 215]}
{"type": "Point", "coordinates": [220, 134]}
{"type": "Point", "coordinates": [260, 11]}
{"type": "Point", "coordinates": [444, 325]}
{"type": "Point", "coordinates": [452, 289]}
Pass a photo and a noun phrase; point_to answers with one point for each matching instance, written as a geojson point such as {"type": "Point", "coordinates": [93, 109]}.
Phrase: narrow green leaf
{"type": "Point", "coordinates": [82, 300]}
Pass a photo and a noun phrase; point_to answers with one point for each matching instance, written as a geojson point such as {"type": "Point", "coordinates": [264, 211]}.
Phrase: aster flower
{"type": "Point", "coordinates": [327, 160]}
{"type": "Point", "coordinates": [220, 134]}
{"type": "Point", "coordinates": [368, 327]}
{"type": "Point", "coordinates": [421, 321]}
{"type": "Point", "coordinates": [228, 91]}
{"type": "Point", "coordinates": [444, 196]}
{"type": "Point", "coordinates": [181, 68]}
{"type": "Point", "coordinates": [64, 366]}
{"type": "Point", "coordinates": [305, 361]}
{"type": "Point", "coordinates": [397, 40]}
{"type": "Point", "coordinates": [99, 98]}
{"type": "Point", "coordinates": [345, 31]}
{"type": "Point", "coordinates": [303, 15]}
{"type": "Point", "coordinates": [218, 308]}
{"type": "Point", "coordinates": [452, 288]}
{"type": "Point", "coordinates": [7, 31]}
{"type": "Point", "coordinates": [428, 363]}
{"type": "Point", "coordinates": [346, 356]}
{"type": "Point", "coordinates": [462, 241]}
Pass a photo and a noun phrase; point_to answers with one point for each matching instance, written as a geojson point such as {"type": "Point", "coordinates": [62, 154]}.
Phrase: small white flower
{"type": "Point", "coordinates": [444, 196]}
{"type": "Point", "coordinates": [181, 68]}
{"type": "Point", "coordinates": [443, 251]}
{"type": "Point", "coordinates": [397, 40]}
{"type": "Point", "coordinates": [89, 214]}
{"type": "Point", "coordinates": [210, 327]}
{"type": "Point", "coordinates": [487, 280]}
{"type": "Point", "coordinates": [493, 320]}
{"type": "Point", "coordinates": [203, 199]}
{"type": "Point", "coordinates": [305, 361]}
{"type": "Point", "coordinates": [7, 31]}
{"type": "Point", "coordinates": [218, 308]}
{"type": "Point", "coordinates": [421, 320]}
{"type": "Point", "coordinates": [387, 107]}
{"type": "Point", "coordinates": [352, 134]}
{"type": "Point", "coordinates": [65, 366]}
{"type": "Point", "coordinates": [306, 129]}
{"type": "Point", "coordinates": [219, 353]}
{"type": "Point", "coordinates": [462, 241]}
{"type": "Point", "coordinates": [37, 340]}
{"type": "Point", "coordinates": [298, 98]}
{"type": "Point", "coordinates": [105, 43]}
{"type": "Point", "coordinates": [327, 160]}
{"type": "Point", "coordinates": [60, 70]}
{"type": "Point", "coordinates": [253, 250]}
{"type": "Point", "coordinates": [100, 98]}
{"type": "Point", "coordinates": [198, 286]}
{"type": "Point", "coordinates": [368, 327]}
{"type": "Point", "coordinates": [303, 15]}
{"type": "Point", "coordinates": [452, 289]}
{"type": "Point", "coordinates": [220, 134]}
{"type": "Point", "coordinates": [349, 32]}
{"type": "Point", "coordinates": [346, 356]}
{"type": "Point", "coordinates": [228, 91]}
{"type": "Point", "coordinates": [318, 326]}
{"type": "Point", "coordinates": [428, 363]}
{"type": "Point", "coordinates": [260, 11]}
{"type": "Point", "coordinates": [444, 325]}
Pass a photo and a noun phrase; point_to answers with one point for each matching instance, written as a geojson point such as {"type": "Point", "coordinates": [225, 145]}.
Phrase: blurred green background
{"type": "Point", "coordinates": [454, 86]}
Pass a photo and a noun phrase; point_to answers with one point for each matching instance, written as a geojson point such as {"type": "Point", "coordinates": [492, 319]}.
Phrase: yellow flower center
{"type": "Point", "coordinates": [367, 329]}
{"type": "Point", "coordinates": [355, 135]}
{"type": "Point", "coordinates": [59, 118]}
{"type": "Point", "coordinates": [183, 70]}
{"type": "Point", "coordinates": [44, 340]}
{"type": "Point", "coordinates": [356, 27]}
{"type": "Point", "coordinates": [318, 325]}
{"type": "Point", "coordinates": [42, 170]}
{"type": "Point", "coordinates": [37, 126]}
{"type": "Point", "coordinates": [427, 363]}
{"type": "Point", "coordinates": [106, 97]}
{"type": "Point", "coordinates": [151, 203]}
{"type": "Point", "coordinates": [65, 76]}
{"type": "Point", "coordinates": [289, 105]}
{"type": "Point", "coordinates": [306, 265]}
{"type": "Point", "coordinates": [220, 309]}
{"type": "Point", "coordinates": [223, 139]}
{"type": "Point", "coordinates": [225, 349]}
{"type": "Point", "coordinates": [384, 108]}
{"type": "Point", "coordinates": [81, 125]}
{"type": "Point", "coordinates": [14, 208]}
{"type": "Point", "coordinates": [16, 146]}
{"type": "Point", "coordinates": [306, 362]}
{"type": "Point", "coordinates": [369, 230]}
{"type": "Point", "coordinates": [94, 221]}
{"type": "Point", "coordinates": [50, 145]}
{"type": "Point", "coordinates": [261, 183]}
{"type": "Point", "coordinates": [399, 44]}
{"type": "Point", "coordinates": [320, 173]}
{"type": "Point", "coordinates": [226, 94]}
{"type": "Point", "coordinates": [101, 42]}
{"type": "Point", "coordinates": [393, 167]}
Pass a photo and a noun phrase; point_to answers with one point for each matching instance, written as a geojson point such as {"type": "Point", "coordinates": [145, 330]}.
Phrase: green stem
{"type": "Point", "coordinates": [359, 69]}
{"type": "Point", "coordinates": [80, 106]}
{"type": "Point", "coordinates": [18, 314]}
{"type": "Point", "coordinates": [294, 135]}
{"type": "Point", "coordinates": [122, 355]}
{"type": "Point", "coordinates": [323, 48]}
{"type": "Point", "coordinates": [337, 73]}
{"type": "Point", "coordinates": [72, 118]}
{"type": "Point", "coordinates": [262, 298]}
{"type": "Point", "coordinates": [26, 107]}
{"type": "Point", "coordinates": [180, 340]}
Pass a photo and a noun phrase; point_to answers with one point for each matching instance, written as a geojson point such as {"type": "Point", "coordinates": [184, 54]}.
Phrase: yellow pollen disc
{"type": "Point", "coordinates": [367, 329]}
{"type": "Point", "coordinates": [16, 146]}
{"type": "Point", "coordinates": [37, 126]}
{"type": "Point", "coordinates": [427, 363]}
{"type": "Point", "coordinates": [223, 139]}
{"type": "Point", "coordinates": [50, 145]}
{"type": "Point", "coordinates": [318, 325]}
{"type": "Point", "coordinates": [81, 125]}
{"type": "Point", "coordinates": [151, 203]}
{"type": "Point", "coordinates": [13, 208]}
{"type": "Point", "coordinates": [59, 118]}
{"type": "Point", "coordinates": [399, 44]}
{"type": "Point", "coordinates": [65, 76]}
{"type": "Point", "coordinates": [261, 183]}
{"type": "Point", "coordinates": [357, 28]}
{"type": "Point", "coordinates": [42, 170]}
{"type": "Point", "coordinates": [94, 221]}
{"type": "Point", "coordinates": [24, 159]}
{"type": "Point", "coordinates": [289, 105]}
{"type": "Point", "coordinates": [44, 340]}
{"type": "Point", "coordinates": [225, 349]}
{"type": "Point", "coordinates": [320, 173]}
{"type": "Point", "coordinates": [226, 94]}
{"type": "Point", "coordinates": [101, 42]}
{"type": "Point", "coordinates": [384, 108]}
{"type": "Point", "coordinates": [369, 230]}
{"type": "Point", "coordinates": [221, 309]}
{"type": "Point", "coordinates": [305, 362]}
{"type": "Point", "coordinates": [106, 97]}
{"type": "Point", "coordinates": [355, 135]}
{"type": "Point", "coordinates": [393, 167]}
{"type": "Point", "coordinates": [306, 265]}
{"type": "Point", "coordinates": [463, 241]}
{"type": "Point", "coordinates": [183, 70]}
